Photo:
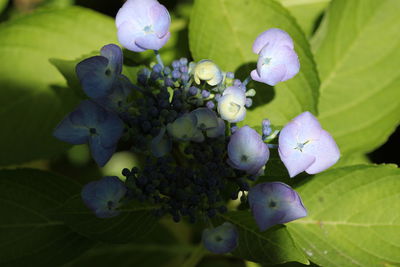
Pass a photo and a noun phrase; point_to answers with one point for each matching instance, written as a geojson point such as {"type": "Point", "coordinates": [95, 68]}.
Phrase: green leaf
{"type": "Point", "coordinates": [306, 12]}
{"type": "Point", "coordinates": [28, 234]}
{"type": "Point", "coordinates": [135, 221]}
{"type": "Point", "coordinates": [273, 246]}
{"type": "Point", "coordinates": [224, 31]}
{"type": "Point", "coordinates": [34, 95]}
{"type": "Point", "coordinates": [353, 217]}
{"type": "Point", "coordinates": [357, 48]}
{"type": "Point", "coordinates": [160, 248]}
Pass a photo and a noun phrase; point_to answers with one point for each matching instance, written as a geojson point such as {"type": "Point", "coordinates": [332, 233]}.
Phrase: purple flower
{"type": "Point", "coordinates": [275, 203]}
{"type": "Point", "coordinates": [305, 146]}
{"type": "Point", "coordinates": [143, 25]}
{"type": "Point", "coordinates": [247, 151]}
{"type": "Point", "coordinates": [103, 197]}
{"type": "Point", "coordinates": [277, 61]}
{"type": "Point", "coordinates": [221, 239]}
{"type": "Point", "coordinates": [231, 106]}
{"type": "Point", "coordinates": [90, 123]}
{"type": "Point", "coordinates": [97, 74]}
{"type": "Point", "coordinates": [118, 100]}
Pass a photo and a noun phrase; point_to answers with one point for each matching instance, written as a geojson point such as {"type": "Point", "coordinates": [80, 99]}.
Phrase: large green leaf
{"type": "Point", "coordinates": [306, 12]}
{"type": "Point", "coordinates": [136, 220]}
{"type": "Point", "coordinates": [357, 49]}
{"type": "Point", "coordinates": [224, 31]}
{"type": "Point", "coordinates": [273, 246]}
{"type": "Point", "coordinates": [28, 234]}
{"type": "Point", "coordinates": [353, 217]}
{"type": "Point", "coordinates": [34, 96]}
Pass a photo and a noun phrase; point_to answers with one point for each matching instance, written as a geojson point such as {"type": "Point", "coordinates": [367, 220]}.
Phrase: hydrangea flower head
{"type": "Point", "coordinates": [97, 74]}
{"type": "Point", "coordinates": [277, 61]}
{"type": "Point", "coordinates": [208, 71]}
{"type": "Point", "coordinates": [305, 146]}
{"type": "Point", "coordinates": [221, 239]}
{"type": "Point", "coordinates": [143, 25]}
{"type": "Point", "coordinates": [92, 124]}
{"type": "Point", "coordinates": [247, 151]}
{"type": "Point", "coordinates": [275, 203]}
{"type": "Point", "coordinates": [231, 106]}
{"type": "Point", "coordinates": [103, 197]}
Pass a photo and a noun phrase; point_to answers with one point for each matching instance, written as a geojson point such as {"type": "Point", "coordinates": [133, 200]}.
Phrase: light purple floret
{"type": "Point", "coordinates": [143, 25]}
{"type": "Point", "coordinates": [247, 151]}
{"type": "Point", "coordinates": [305, 146]}
{"type": "Point", "coordinates": [277, 60]}
{"type": "Point", "coordinates": [275, 203]}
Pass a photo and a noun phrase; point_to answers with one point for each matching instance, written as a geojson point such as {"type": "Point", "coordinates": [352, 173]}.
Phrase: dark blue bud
{"type": "Point", "coordinates": [126, 172]}
{"type": "Point", "coordinates": [205, 94]}
{"type": "Point", "coordinates": [157, 68]}
{"type": "Point", "coordinates": [211, 213]}
{"type": "Point", "coordinates": [185, 77]}
{"type": "Point", "coordinates": [167, 71]}
{"type": "Point", "coordinates": [193, 90]}
{"type": "Point", "coordinates": [168, 82]}
{"type": "Point", "coordinates": [183, 61]}
{"type": "Point", "coordinates": [176, 64]}
{"type": "Point", "coordinates": [184, 69]}
{"type": "Point", "coordinates": [176, 74]}
{"type": "Point", "coordinates": [210, 105]}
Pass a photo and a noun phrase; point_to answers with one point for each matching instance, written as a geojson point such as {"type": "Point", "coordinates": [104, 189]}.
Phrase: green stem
{"type": "Point", "coordinates": [159, 59]}
{"type": "Point", "coordinates": [196, 256]}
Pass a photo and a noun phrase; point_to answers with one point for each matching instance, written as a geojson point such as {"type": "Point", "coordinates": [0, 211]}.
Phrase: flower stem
{"type": "Point", "coordinates": [159, 59]}
{"type": "Point", "coordinates": [247, 80]}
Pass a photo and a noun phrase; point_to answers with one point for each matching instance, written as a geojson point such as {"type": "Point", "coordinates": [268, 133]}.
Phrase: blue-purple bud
{"type": "Point", "coordinates": [230, 75]}
{"type": "Point", "coordinates": [210, 105]}
{"type": "Point", "coordinates": [176, 74]}
{"type": "Point", "coordinates": [157, 68]}
{"type": "Point", "coordinates": [249, 102]}
{"type": "Point", "coordinates": [183, 61]}
{"type": "Point", "coordinates": [205, 94]}
{"type": "Point", "coordinates": [176, 64]}
{"type": "Point", "coordinates": [193, 90]}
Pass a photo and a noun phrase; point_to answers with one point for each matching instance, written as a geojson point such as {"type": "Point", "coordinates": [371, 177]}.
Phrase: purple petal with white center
{"type": "Point", "coordinates": [95, 76]}
{"type": "Point", "coordinates": [275, 203]}
{"type": "Point", "coordinates": [151, 41]}
{"type": "Point", "coordinates": [115, 58]}
{"type": "Point", "coordinates": [271, 38]}
{"type": "Point", "coordinates": [127, 34]}
{"type": "Point", "coordinates": [326, 153]}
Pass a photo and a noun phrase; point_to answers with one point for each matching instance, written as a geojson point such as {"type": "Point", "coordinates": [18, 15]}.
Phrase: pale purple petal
{"type": "Point", "coordinates": [296, 162]}
{"type": "Point", "coordinates": [271, 38]}
{"type": "Point", "coordinates": [68, 132]}
{"type": "Point", "coordinates": [326, 153]}
{"type": "Point", "coordinates": [151, 41]}
{"type": "Point", "coordinates": [160, 19]}
{"type": "Point", "coordinates": [99, 153]}
{"type": "Point", "coordinates": [127, 35]}
{"type": "Point", "coordinates": [309, 127]}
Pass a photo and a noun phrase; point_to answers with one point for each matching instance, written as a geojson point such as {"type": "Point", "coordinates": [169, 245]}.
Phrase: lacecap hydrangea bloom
{"type": "Point", "coordinates": [143, 25]}
{"type": "Point", "coordinates": [181, 120]}
{"type": "Point", "coordinates": [277, 61]}
{"type": "Point", "coordinates": [305, 146]}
